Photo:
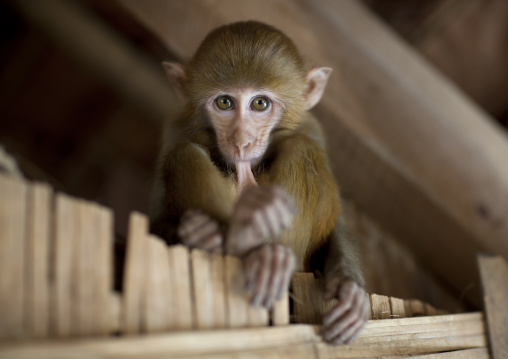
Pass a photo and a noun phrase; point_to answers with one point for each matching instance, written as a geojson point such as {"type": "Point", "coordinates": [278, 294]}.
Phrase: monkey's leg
{"type": "Point", "coordinates": [191, 181]}
{"type": "Point", "coordinates": [344, 282]}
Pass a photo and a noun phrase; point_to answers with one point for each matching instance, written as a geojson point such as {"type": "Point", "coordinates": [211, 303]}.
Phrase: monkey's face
{"type": "Point", "coordinates": [243, 119]}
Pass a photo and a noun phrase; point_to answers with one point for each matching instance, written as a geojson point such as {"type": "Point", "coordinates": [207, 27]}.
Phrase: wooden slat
{"type": "Point", "coordinates": [257, 316]}
{"type": "Point", "coordinates": [397, 308]}
{"type": "Point", "coordinates": [84, 306]}
{"type": "Point", "coordinates": [380, 114]}
{"type": "Point", "coordinates": [380, 338]}
{"type": "Point", "coordinates": [380, 306]}
{"type": "Point", "coordinates": [280, 311]}
{"type": "Point", "coordinates": [236, 296]}
{"type": "Point", "coordinates": [159, 305]}
{"type": "Point", "coordinates": [13, 211]}
{"type": "Point", "coordinates": [219, 291]}
{"type": "Point", "coordinates": [479, 353]}
{"type": "Point", "coordinates": [414, 308]}
{"type": "Point", "coordinates": [103, 285]}
{"type": "Point", "coordinates": [37, 261]}
{"type": "Point", "coordinates": [202, 280]}
{"type": "Point", "coordinates": [494, 275]}
{"type": "Point", "coordinates": [134, 284]}
{"type": "Point", "coordinates": [62, 269]}
{"type": "Point", "coordinates": [179, 260]}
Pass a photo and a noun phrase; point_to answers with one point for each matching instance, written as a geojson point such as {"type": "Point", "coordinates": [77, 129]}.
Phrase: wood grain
{"type": "Point", "coordinates": [13, 210]}
{"type": "Point", "coordinates": [180, 271]}
{"type": "Point", "coordinates": [202, 281]}
{"type": "Point", "coordinates": [494, 275]}
{"type": "Point", "coordinates": [236, 296]}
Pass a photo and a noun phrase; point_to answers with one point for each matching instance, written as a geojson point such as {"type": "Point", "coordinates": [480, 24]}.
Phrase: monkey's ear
{"type": "Point", "coordinates": [316, 80]}
{"type": "Point", "coordinates": [176, 74]}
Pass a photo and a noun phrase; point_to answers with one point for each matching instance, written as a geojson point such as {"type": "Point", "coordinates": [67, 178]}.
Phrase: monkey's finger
{"type": "Point", "coordinates": [265, 255]}
{"type": "Point", "coordinates": [284, 214]}
{"type": "Point", "coordinates": [273, 220]}
{"type": "Point", "coordinates": [191, 213]}
{"type": "Point", "coordinates": [211, 242]}
{"type": "Point", "coordinates": [286, 199]}
{"type": "Point", "coordinates": [276, 275]}
{"type": "Point", "coordinates": [338, 327]}
{"type": "Point", "coordinates": [356, 328]}
{"type": "Point", "coordinates": [191, 223]}
{"type": "Point", "coordinates": [345, 303]}
{"type": "Point", "coordinates": [200, 233]}
{"type": "Point", "coordinates": [289, 267]}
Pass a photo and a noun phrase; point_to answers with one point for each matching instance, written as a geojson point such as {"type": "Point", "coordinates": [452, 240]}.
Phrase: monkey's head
{"type": "Point", "coordinates": [247, 81]}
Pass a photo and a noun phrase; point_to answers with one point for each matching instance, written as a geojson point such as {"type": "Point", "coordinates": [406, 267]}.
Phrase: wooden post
{"type": "Point", "coordinates": [494, 275]}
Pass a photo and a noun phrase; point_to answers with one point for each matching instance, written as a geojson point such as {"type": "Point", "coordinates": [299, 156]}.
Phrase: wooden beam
{"type": "Point", "coordinates": [437, 177]}
{"type": "Point", "coordinates": [380, 338]}
{"type": "Point", "coordinates": [104, 53]}
{"type": "Point", "coordinates": [494, 274]}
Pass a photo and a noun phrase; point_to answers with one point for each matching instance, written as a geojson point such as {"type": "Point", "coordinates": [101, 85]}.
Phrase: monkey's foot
{"type": "Point", "coordinates": [268, 272]}
{"type": "Point", "coordinates": [343, 323]}
{"type": "Point", "coordinates": [199, 230]}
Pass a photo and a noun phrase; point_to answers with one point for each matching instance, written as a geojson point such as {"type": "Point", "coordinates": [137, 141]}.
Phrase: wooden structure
{"type": "Point", "coordinates": [56, 283]}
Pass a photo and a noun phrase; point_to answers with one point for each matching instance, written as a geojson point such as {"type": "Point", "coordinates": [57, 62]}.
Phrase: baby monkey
{"type": "Point", "coordinates": [245, 170]}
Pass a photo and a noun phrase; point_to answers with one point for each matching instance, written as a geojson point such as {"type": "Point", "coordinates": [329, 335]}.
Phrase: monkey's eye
{"type": "Point", "coordinates": [259, 104]}
{"type": "Point", "coordinates": [224, 103]}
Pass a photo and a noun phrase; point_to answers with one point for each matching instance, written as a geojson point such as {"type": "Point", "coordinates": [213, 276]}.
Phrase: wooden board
{"type": "Point", "coordinates": [380, 338]}
{"type": "Point", "coordinates": [494, 275]}
{"type": "Point", "coordinates": [386, 112]}
{"type": "Point", "coordinates": [236, 296]}
{"type": "Point", "coordinates": [159, 309]}
{"type": "Point", "coordinates": [380, 306]}
{"type": "Point", "coordinates": [397, 308]}
{"type": "Point", "coordinates": [39, 221]}
{"type": "Point", "coordinates": [134, 284]}
{"type": "Point", "coordinates": [202, 281]}
{"type": "Point", "coordinates": [179, 261]}
{"type": "Point", "coordinates": [280, 312]}
{"type": "Point", "coordinates": [13, 209]}
{"type": "Point", "coordinates": [62, 268]}
{"type": "Point", "coordinates": [219, 291]}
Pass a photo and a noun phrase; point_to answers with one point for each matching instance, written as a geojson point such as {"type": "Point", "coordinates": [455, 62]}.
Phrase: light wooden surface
{"type": "Point", "coordinates": [180, 265]}
{"type": "Point", "coordinates": [236, 297]}
{"type": "Point", "coordinates": [203, 289]}
{"type": "Point", "coordinates": [39, 216]}
{"type": "Point", "coordinates": [134, 285]}
{"type": "Point", "coordinates": [386, 113]}
{"type": "Point", "coordinates": [380, 338]}
{"type": "Point", "coordinates": [494, 275]}
{"type": "Point", "coordinates": [13, 207]}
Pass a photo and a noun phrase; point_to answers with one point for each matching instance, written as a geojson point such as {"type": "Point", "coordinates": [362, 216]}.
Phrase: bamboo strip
{"type": "Point", "coordinates": [103, 269]}
{"type": "Point", "coordinates": [202, 281]}
{"type": "Point", "coordinates": [237, 302]}
{"type": "Point", "coordinates": [397, 308]}
{"type": "Point", "coordinates": [280, 311]}
{"type": "Point", "coordinates": [219, 300]}
{"type": "Point", "coordinates": [405, 336]}
{"type": "Point", "coordinates": [159, 303]}
{"type": "Point", "coordinates": [61, 271]}
{"type": "Point", "coordinates": [135, 274]}
{"type": "Point", "coordinates": [13, 209]}
{"type": "Point", "coordinates": [380, 306]}
{"type": "Point", "coordinates": [179, 260]}
{"type": "Point", "coordinates": [479, 353]}
{"type": "Point", "coordinates": [37, 261]}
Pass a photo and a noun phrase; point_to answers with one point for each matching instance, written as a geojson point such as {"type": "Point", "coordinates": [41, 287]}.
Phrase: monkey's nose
{"type": "Point", "coordinates": [242, 146]}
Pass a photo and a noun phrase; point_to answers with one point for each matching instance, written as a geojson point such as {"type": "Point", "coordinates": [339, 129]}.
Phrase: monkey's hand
{"type": "Point", "coordinates": [261, 213]}
{"type": "Point", "coordinates": [346, 320]}
{"type": "Point", "coordinates": [268, 271]}
{"type": "Point", "coordinates": [199, 230]}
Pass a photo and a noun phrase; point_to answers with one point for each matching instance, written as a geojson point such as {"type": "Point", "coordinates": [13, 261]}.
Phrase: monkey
{"type": "Point", "coordinates": [245, 170]}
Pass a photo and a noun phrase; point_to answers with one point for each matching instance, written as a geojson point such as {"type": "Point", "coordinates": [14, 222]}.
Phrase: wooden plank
{"type": "Point", "coordinates": [13, 212]}
{"type": "Point", "coordinates": [84, 306]}
{"type": "Point", "coordinates": [202, 281]}
{"type": "Point", "coordinates": [62, 269]}
{"type": "Point", "coordinates": [103, 285]}
{"type": "Point", "coordinates": [134, 284]}
{"type": "Point", "coordinates": [397, 308]}
{"type": "Point", "coordinates": [380, 338]}
{"type": "Point", "coordinates": [179, 258]}
{"type": "Point", "coordinates": [479, 353]}
{"type": "Point", "coordinates": [380, 306]}
{"type": "Point", "coordinates": [37, 260]}
{"type": "Point", "coordinates": [236, 295]}
{"type": "Point", "coordinates": [280, 311]}
{"type": "Point", "coordinates": [494, 276]}
{"type": "Point", "coordinates": [219, 291]}
{"type": "Point", "coordinates": [380, 112]}
{"type": "Point", "coordinates": [158, 309]}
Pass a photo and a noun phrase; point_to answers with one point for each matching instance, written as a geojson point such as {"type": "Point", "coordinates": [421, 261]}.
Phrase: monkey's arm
{"type": "Point", "coordinates": [190, 181]}
{"type": "Point", "coordinates": [344, 282]}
